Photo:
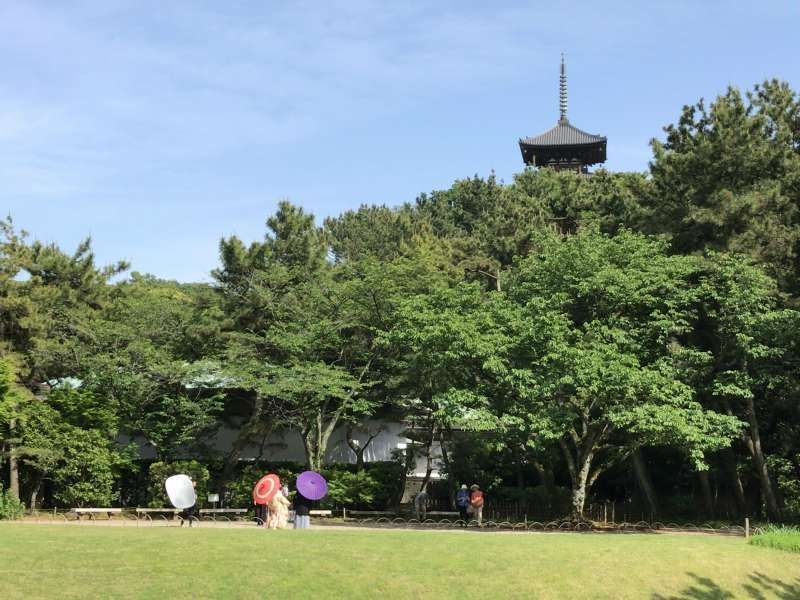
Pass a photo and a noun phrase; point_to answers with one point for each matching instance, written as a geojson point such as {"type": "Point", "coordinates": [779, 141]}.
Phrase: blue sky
{"type": "Point", "coordinates": [158, 127]}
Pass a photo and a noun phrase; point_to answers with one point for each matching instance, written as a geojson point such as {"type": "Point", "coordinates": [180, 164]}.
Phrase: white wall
{"type": "Point", "coordinates": [287, 445]}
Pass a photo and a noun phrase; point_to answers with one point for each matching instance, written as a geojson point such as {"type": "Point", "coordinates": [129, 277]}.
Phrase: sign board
{"type": "Point", "coordinates": [213, 497]}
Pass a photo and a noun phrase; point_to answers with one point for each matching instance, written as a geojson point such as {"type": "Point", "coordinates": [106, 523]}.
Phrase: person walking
{"type": "Point", "coordinates": [462, 502]}
{"type": "Point", "coordinates": [189, 514]}
{"type": "Point", "coordinates": [279, 511]}
{"type": "Point", "coordinates": [421, 504]}
{"type": "Point", "coordinates": [476, 500]}
{"type": "Point", "coordinates": [302, 511]}
{"type": "Point", "coordinates": [261, 515]}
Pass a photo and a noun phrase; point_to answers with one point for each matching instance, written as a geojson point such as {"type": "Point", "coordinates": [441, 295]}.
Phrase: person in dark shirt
{"type": "Point", "coordinates": [302, 511]}
{"type": "Point", "coordinates": [190, 514]}
{"type": "Point", "coordinates": [261, 514]}
{"type": "Point", "coordinates": [462, 501]}
{"type": "Point", "coordinates": [421, 504]}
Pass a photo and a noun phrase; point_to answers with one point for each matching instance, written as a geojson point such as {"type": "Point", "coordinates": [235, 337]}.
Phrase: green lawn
{"type": "Point", "coordinates": [38, 561]}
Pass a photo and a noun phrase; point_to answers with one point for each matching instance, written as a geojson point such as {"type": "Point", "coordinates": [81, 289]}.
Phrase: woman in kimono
{"type": "Point", "coordinates": [278, 512]}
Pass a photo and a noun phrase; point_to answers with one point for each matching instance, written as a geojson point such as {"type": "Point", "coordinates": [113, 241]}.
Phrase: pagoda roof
{"type": "Point", "coordinates": [563, 134]}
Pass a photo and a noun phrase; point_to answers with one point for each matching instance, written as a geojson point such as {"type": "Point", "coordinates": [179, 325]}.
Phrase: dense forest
{"type": "Point", "coordinates": [566, 339]}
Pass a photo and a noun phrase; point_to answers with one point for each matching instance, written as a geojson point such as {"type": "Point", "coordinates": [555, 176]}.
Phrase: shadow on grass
{"type": "Point", "coordinates": [759, 587]}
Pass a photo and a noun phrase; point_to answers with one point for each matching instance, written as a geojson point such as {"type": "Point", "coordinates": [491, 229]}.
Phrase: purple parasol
{"type": "Point", "coordinates": [312, 485]}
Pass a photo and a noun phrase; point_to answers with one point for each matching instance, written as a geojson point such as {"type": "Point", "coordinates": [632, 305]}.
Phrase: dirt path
{"type": "Point", "coordinates": [144, 524]}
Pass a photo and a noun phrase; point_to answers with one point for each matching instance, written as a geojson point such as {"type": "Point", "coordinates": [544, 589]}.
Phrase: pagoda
{"type": "Point", "coordinates": [564, 147]}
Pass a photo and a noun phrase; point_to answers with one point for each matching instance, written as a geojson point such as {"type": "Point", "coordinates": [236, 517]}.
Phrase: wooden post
{"type": "Point", "coordinates": [344, 513]}
{"type": "Point", "coordinates": [605, 512]}
{"type": "Point", "coordinates": [747, 529]}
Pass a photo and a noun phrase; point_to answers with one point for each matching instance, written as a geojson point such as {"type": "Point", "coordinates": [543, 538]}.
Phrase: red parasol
{"type": "Point", "coordinates": [312, 485]}
{"type": "Point", "coordinates": [266, 488]}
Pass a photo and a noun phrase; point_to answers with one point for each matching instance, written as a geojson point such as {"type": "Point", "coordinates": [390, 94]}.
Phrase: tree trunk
{"type": "Point", "coordinates": [409, 458]}
{"type": "Point", "coordinates": [645, 484]}
{"type": "Point", "coordinates": [579, 492]}
{"type": "Point", "coordinates": [246, 435]}
{"type": "Point", "coordinates": [315, 439]}
{"type": "Point", "coordinates": [35, 493]}
{"type": "Point", "coordinates": [546, 476]}
{"type": "Point", "coordinates": [358, 449]}
{"type": "Point", "coordinates": [312, 450]}
{"type": "Point", "coordinates": [736, 482]}
{"type": "Point", "coordinates": [579, 469]}
{"type": "Point", "coordinates": [760, 463]}
{"type": "Point", "coordinates": [13, 464]}
{"type": "Point", "coordinates": [518, 456]}
{"type": "Point", "coordinates": [705, 488]}
{"type": "Point", "coordinates": [360, 459]}
{"type": "Point", "coordinates": [445, 454]}
{"type": "Point", "coordinates": [752, 440]}
{"type": "Point", "coordinates": [429, 458]}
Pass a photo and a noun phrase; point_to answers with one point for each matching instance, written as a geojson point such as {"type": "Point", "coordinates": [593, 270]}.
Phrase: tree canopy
{"type": "Point", "coordinates": [563, 333]}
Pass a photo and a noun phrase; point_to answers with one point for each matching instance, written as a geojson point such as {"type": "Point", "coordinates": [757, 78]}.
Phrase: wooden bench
{"type": "Point", "coordinates": [146, 512]}
{"type": "Point", "coordinates": [96, 511]}
{"type": "Point", "coordinates": [214, 512]}
{"type": "Point", "coordinates": [371, 513]}
{"type": "Point", "coordinates": [443, 513]}
{"type": "Point", "coordinates": [320, 513]}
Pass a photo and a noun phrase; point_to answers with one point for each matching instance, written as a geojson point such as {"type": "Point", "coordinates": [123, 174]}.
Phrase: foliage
{"type": "Point", "coordinates": [372, 488]}
{"type": "Point", "coordinates": [239, 490]}
{"type": "Point", "coordinates": [604, 381]}
{"type": "Point", "coordinates": [86, 471]}
{"type": "Point", "coordinates": [787, 480]}
{"type": "Point", "coordinates": [10, 507]}
{"type": "Point", "coordinates": [727, 177]}
{"type": "Point", "coordinates": [538, 334]}
{"type": "Point", "coordinates": [355, 490]}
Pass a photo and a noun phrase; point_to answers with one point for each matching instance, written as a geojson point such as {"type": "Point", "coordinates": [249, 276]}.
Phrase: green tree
{"type": "Point", "coordinates": [317, 398]}
{"type": "Point", "coordinates": [727, 177]}
{"type": "Point", "coordinates": [13, 404]}
{"type": "Point", "coordinates": [609, 382]}
{"type": "Point", "coordinates": [751, 342]}
{"type": "Point", "coordinates": [371, 231]}
{"type": "Point", "coordinates": [449, 349]}
{"type": "Point", "coordinates": [295, 345]}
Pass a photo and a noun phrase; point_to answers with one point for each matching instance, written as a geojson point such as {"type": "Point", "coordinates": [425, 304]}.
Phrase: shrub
{"type": "Point", "coordinates": [787, 477]}
{"type": "Point", "coordinates": [357, 490]}
{"type": "Point", "coordinates": [85, 475]}
{"type": "Point", "coordinates": [389, 476]}
{"type": "Point", "coordinates": [10, 507]}
{"type": "Point", "coordinates": [372, 489]}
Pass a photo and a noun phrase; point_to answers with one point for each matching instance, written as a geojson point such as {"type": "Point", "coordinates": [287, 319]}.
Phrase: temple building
{"type": "Point", "coordinates": [564, 147]}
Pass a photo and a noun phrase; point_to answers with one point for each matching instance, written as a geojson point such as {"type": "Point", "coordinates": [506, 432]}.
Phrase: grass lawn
{"type": "Point", "coordinates": [38, 561]}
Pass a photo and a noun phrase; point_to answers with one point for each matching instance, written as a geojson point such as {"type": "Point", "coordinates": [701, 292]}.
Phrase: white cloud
{"type": "Point", "coordinates": [112, 89]}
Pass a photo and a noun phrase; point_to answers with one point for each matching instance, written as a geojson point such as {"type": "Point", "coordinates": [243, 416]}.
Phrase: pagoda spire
{"type": "Point", "coordinates": [562, 93]}
{"type": "Point", "coordinates": [564, 147]}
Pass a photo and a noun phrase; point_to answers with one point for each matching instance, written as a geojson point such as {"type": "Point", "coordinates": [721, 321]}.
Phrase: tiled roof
{"type": "Point", "coordinates": [563, 134]}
